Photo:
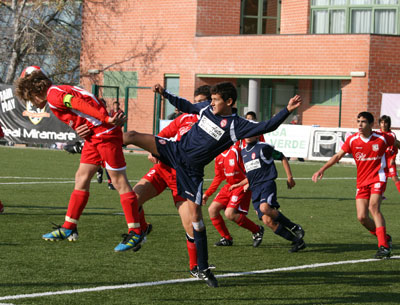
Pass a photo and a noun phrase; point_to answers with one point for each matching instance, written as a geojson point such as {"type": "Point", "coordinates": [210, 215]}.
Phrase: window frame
{"type": "Point", "coordinates": [260, 18]}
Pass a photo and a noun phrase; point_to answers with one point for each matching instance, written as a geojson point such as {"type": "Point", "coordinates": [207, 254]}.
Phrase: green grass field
{"type": "Point", "coordinates": [35, 186]}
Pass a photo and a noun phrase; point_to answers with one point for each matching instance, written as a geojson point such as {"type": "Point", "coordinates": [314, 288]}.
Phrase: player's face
{"type": "Point", "coordinates": [220, 106]}
{"type": "Point", "coordinates": [364, 127]}
{"type": "Point", "coordinates": [200, 98]}
{"type": "Point", "coordinates": [384, 126]}
{"type": "Point", "coordinates": [251, 140]}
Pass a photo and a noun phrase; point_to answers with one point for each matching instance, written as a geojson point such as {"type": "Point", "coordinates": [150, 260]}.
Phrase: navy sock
{"type": "Point", "coordinates": [284, 221]}
{"type": "Point", "coordinates": [200, 239]}
{"type": "Point", "coordinates": [285, 233]}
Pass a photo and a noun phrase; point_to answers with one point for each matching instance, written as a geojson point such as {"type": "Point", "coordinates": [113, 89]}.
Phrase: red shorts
{"type": "Point", "coordinates": [236, 198]}
{"type": "Point", "coordinates": [366, 191]}
{"type": "Point", "coordinates": [162, 176]}
{"type": "Point", "coordinates": [105, 150]}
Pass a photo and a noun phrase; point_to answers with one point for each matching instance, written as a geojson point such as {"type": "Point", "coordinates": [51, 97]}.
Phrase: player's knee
{"type": "Point", "coordinates": [230, 214]}
{"type": "Point", "coordinates": [362, 218]}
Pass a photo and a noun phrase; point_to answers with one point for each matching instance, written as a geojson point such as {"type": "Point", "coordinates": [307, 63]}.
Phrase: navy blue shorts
{"type": "Point", "coordinates": [264, 193]}
{"type": "Point", "coordinates": [189, 179]}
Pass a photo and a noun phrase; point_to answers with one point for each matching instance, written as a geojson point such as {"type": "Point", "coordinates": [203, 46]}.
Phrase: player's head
{"type": "Point", "coordinates": [116, 105]}
{"type": "Point", "coordinates": [385, 122]}
{"type": "Point", "coordinates": [223, 98]}
{"type": "Point", "coordinates": [202, 94]}
{"type": "Point", "coordinates": [251, 115]}
{"type": "Point", "coordinates": [251, 139]}
{"type": "Point", "coordinates": [32, 86]}
{"type": "Point", "coordinates": [365, 121]}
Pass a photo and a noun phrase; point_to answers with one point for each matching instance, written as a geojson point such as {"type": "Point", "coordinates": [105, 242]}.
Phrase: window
{"type": "Point", "coordinates": [172, 85]}
{"type": "Point", "coordinates": [260, 17]}
{"type": "Point", "coordinates": [119, 79]}
{"type": "Point", "coordinates": [326, 92]}
{"type": "Point", "coordinates": [355, 16]}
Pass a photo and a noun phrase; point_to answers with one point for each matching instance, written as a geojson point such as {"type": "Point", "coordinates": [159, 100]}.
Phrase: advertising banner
{"type": "Point", "coordinates": [26, 124]}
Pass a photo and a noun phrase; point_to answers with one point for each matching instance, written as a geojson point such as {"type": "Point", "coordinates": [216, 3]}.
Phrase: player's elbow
{"type": "Point", "coordinates": [129, 137]}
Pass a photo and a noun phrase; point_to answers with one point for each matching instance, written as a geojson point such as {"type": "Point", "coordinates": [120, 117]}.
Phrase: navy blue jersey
{"type": "Point", "coordinates": [213, 134]}
{"type": "Point", "coordinates": [258, 159]}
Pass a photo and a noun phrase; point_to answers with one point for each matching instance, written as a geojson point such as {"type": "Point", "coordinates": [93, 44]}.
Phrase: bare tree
{"type": "Point", "coordinates": [44, 33]}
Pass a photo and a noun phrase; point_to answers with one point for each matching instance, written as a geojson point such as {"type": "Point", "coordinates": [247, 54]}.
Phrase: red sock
{"type": "Point", "coordinates": [77, 204]}
{"type": "Point", "coordinates": [130, 208]}
{"type": "Point", "coordinates": [397, 184]}
{"type": "Point", "coordinates": [246, 223]}
{"type": "Point", "coordinates": [382, 238]}
{"type": "Point", "coordinates": [192, 251]}
{"type": "Point", "coordinates": [142, 219]}
{"type": "Point", "coordinates": [219, 223]}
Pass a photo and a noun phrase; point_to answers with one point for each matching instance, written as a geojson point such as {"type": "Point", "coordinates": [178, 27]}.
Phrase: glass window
{"type": "Point", "coordinates": [361, 21]}
{"type": "Point", "coordinates": [320, 2]}
{"type": "Point", "coordinates": [260, 17]}
{"type": "Point", "coordinates": [361, 2]}
{"type": "Point", "coordinates": [172, 85]}
{"type": "Point", "coordinates": [339, 2]}
{"type": "Point", "coordinates": [326, 92]}
{"type": "Point", "coordinates": [387, 1]}
{"type": "Point", "coordinates": [385, 22]}
{"type": "Point", "coordinates": [320, 21]}
{"type": "Point", "coordinates": [338, 21]}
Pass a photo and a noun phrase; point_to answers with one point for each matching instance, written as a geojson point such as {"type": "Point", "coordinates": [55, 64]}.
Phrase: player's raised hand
{"type": "Point", "coordinates": [158, 88]}
{"type": "Point", "coordinates": [317, 175]}
{"type": "Point", "coordinates": [294, 103]}
{"type": "Point", "coordinates": [118, 119]}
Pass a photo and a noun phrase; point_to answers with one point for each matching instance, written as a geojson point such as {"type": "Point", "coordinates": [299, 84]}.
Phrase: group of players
{"type": "Point", "coordinates": [209, 128]}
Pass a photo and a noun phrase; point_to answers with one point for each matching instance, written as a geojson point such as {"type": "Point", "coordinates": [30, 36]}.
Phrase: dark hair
{"type": "Point", "coordinates": [116, 102]}
{"type": "Point", "coordinates": [203, 90]}
{"type": "Point", "coordinates": [367, 115]}
{"type": "Point", "coordinates": [252, 113]}
{"type": "Point", "coordinates": [31, 85]}
{"type": "Point", "coordinates": [226, 90]}
{"type": "Point", "coordinates": [386, 119]}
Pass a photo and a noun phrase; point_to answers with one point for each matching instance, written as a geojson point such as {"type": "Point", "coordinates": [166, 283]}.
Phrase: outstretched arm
{"type": "Point", "coordinates": [335, 159]}
{"type": "Point", "coordinates": [290, 181]}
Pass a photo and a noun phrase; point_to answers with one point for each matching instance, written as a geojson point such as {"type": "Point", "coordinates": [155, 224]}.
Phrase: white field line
{"type": "Point", "coordinates": [73, 181]}
{"type": "Point", "coordinates": [157, 283]}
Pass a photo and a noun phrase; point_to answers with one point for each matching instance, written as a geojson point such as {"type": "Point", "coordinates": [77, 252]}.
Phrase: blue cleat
{"type": "Point", "coordinates": [131, 241]}
{"type": "Point", "coordinates": [61, 233]}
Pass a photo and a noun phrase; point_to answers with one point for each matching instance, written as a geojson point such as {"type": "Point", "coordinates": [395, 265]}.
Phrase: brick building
{"type": "Point", "coordinates": [340, 55]}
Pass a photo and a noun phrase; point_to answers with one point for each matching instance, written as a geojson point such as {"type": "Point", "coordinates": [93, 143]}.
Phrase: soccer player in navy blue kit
{"type": "Point", "coordinates": [218, 128]}
{"type": "Point", "coordinates": [258, 158]}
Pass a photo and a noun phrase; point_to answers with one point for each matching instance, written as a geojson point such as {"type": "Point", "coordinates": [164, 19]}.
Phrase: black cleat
{"type": "Point", "coordinates": [194, 272]}
{"type": "Point", "coordinates": [389, 241]}
{"type": "Point", "coordinates": [297, 246]}
{"type": "Point", "coordinates": [207, 276]}
{"type": "Point", "coordinates": [383, 253]}
{"type": "Point", "coordinates": [99, 175]}
{"type": "Point", "coordinates": [298, 231]}
{"type": "Point", "coordinates": [111, 187]}
{"type": "Point", "coordinates": [224, 242]}
{"type": "Point", "coordinates": [258, 237]}
{"type": "Point", "coordinates": [75, 148]}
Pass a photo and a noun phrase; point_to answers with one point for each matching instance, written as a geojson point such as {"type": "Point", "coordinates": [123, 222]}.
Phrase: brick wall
{"type": "Point", "coordinates": [295, 16]}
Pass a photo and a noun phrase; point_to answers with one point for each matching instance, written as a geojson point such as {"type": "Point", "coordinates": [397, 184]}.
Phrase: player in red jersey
{"type": "Point", "coordinates": [391, 152]}
{"type": "Point", "coordinates": [368, 150]}
{"type": "Point", "coordinates": [75, 107]}
{"type": "Point", "coordinates": [232, 197]}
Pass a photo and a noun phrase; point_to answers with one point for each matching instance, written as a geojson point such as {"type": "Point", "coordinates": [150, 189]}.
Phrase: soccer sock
{"type": "Point", "coordinates": [192, 251]}
{"type": "Point", "coordinates": [382, 238]}
{"type": "Point", "coordinates": [285, 233]}
{"type": "Point", "coordinates": [246, 223]}
{"type": "Point", "coordinates": [219, 223]}
{"type": "Point", "coordinates": [284, 221]}
{"type": "Point", "coordinates": [398, 186]}
{"type": "Point", "coordinates": [77, 204]}
{"type": "Point", "coordinates": [200, 239]}
{"type": "Point", "coordinates": [131, 211]}
{"type": "Point", "coordinates": [142, 219]}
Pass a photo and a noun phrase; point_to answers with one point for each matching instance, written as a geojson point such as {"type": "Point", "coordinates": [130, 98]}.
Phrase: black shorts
{"type": "Point", "coordinates": [189, 179]}
{"type": "Point", "coordinates": [264, 193]}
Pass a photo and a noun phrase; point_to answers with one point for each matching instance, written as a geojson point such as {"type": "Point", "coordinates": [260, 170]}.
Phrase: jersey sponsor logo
{"type": "Point", "coordinates": [253, 156]}
{"type": "Point", "coordinates": [35, 114]}
{"type": "Point", "coordinates": [67, 100]}
{"type": "Point", "coordinates": [375, 147]}
{"type": "Point", "coordinates": [223, 123]}
{"type": "Point", "coordinates": [235, 198]}
{"type": "Point", "coordinates": [231, 162]}
{"type": "Point", "coordinates": [377, 185]}
{"type": "Point", "coordinates": [359, 156]}
{"type": "Point", "coordinates": [162, 141]}
{"type": "Point", "coordinates": [252, 165]}
{"type": "Point", "coordinates": [211, 128]}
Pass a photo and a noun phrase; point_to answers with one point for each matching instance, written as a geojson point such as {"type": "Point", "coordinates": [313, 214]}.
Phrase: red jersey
{"type": "Point", "coordinates": [391, 151]}
{"type": "Point", "coordinates": [87, 108]}
{"type": "Point", "coordinates": [1, 132]}
{"type": "Point", "coordinates": [228, 166]}
{"type": "Point", "coordinates": [369, 156]}
{"type": "Point", "coordinates": [179, 126]}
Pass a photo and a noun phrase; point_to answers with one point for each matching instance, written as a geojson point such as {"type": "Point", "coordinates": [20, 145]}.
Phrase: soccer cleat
{"type": "Point", "coordinates": [258, 237]}
{"type": "Point", "coordinates": [61, 233]}
{"type": "Point", "coordinates": [224, 242]}
{"type": "Point", "coordinates": [99, 176]}
{"type": "Point", "coordinates": [207, 276]}
{"type": "Point", "coordinates": [297, 246]}
{"type": "Point", "coordinates": [298, 231]}
{"type": "Point", "coordinates": [389, 241]}
{"type": "Point", "coordinates": [383, 253]}
{"type": "Point", "coordinates": [111, 187]}
{"type": "Point", "coordinates": [148, 229]}
{"type": "Point", "coordinates": [1, 207]}
{"type": "Point", "coordinates": [131, 241]}
{"type": "Point", "coordinates": [75, 148]}
{"type": "Point", "coordinates": [194, 272]}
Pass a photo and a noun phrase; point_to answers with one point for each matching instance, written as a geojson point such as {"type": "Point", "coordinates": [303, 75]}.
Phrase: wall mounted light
{"type": "Point", "coordinates": [357, 74]}
{"type": "Point", "coordinates": [93, 71]}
